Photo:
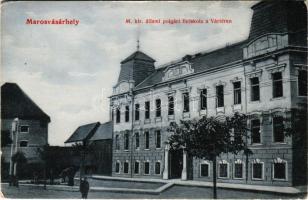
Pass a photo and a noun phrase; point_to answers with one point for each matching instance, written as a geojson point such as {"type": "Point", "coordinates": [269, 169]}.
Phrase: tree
{"type": "Point", "coordinates": [210, 137]}
{"type": "Point", "coordinates": [18, 159]}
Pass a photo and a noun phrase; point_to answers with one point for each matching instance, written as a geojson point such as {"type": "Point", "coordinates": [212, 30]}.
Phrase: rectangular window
{"type": "Point", "coordinates": [24, 129]}
{"type": "Point", "coordinates": [279, 170]}
{"type": "Point", "coordinates": [147, 140]}
{"type": "Point", "coordinates": [186, 102]}
{"type": "Point", "coordinates": [126, 167]}
{"type": "Point", "coordinates": [170, 105]}
{"type": "Point", "coordinates": [137, 140]}
{"type": "Point", "coordinates": [117, 142]}
{"type": "Point", "coordinates": [147, 110]}
{"type": "Point", "coordinates": [23, 143]}
{"type": "Point", "coordinates": [277, 84]}
{"type": "Point", "coordinates": [278, 129]}
{"type": "Point", "coordinates": [255, 89]}
{"type": "Point", "coordinates": [237, 92]}
{"type": "Point", "coordinates": [302, 83]}
{"type": "Point", "coordinates": [146, 168]}
{"type": "Point", "coordinates": [126, 113]}
{"type": "Point", "coordinates": [136, 169]}
{"type": "Point", "coordinates": [220, 96]}
{"type": "Point", "coordinates": [118, 115]}
{"type": "Point", "coordinates": [126, 141]}
{"type": "Point", "coordinates": [257, 170]}
{"type": "Point", "coordinates": [158, 139]}
{"type": "Point", "coordinates": [117, 167]}
{"type": "Point", "coordinates": [203, 99]}
{"type": "Point", "coordinates": [255, 131]}
{"type": "Point", "coordinates": [204, 170]}
{"type": "Point", "coordinates": [158, 107]}
{"type": "Point", "coordinates": [223, 170]}
{"type": "Point", "coordinates": [157, 168]}
{"type": "Point", "coordinates": [238, 170]}
{"type": "Point", "coordinates": [137, 108]}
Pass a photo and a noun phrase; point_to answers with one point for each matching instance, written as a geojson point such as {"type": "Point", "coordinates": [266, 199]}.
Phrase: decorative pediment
{"type": "Point", "coordinates": [264, 44]}
{"type": "Point", "coordinates": [177, 70]}
{"type": "Point", "coordinates": [122, 87]}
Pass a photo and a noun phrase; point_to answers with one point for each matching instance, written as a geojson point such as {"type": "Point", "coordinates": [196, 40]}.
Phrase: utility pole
{"type": "Point", "coordinates": [14, 129]}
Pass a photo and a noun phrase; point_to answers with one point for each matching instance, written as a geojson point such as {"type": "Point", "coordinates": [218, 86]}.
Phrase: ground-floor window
{"type": "Point", "coordinates": [157, 168]}
{"type": "Point", "coordinates": [147, 168]}
{"type": "Point", "coordinates": [238, 169]}
{"type": "Point", "coordinates": [126, 167]}
{"type": "Point", "coordinates": [204, 169]}
{"type": "Point", "coordinates": [279, 169]}
{"type": "Point", "coordinates": [117, 168]}
{"type": "Point", "coordinates": [223, 169]}
{"type": "Point", "coordinates": [136, 168]}
{"type": "Point", "coordinates": [257, 169]}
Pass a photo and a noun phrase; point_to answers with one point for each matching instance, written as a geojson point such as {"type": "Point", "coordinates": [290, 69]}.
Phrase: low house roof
{"type": "Point", "coordinates": [83, 132]}
{"type": "Point", "coordinates": [16, 103]}
{"type": "Point", "coordinates": [103, 132]}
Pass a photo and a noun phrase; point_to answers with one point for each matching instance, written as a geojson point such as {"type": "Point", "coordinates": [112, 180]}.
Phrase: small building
{"type": "Point", "coordinates": [97, 138]}
{"type": "Point", "coordinates": [32, 124]}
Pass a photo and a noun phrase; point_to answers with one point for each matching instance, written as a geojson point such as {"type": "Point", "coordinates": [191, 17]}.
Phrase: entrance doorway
{"type": "Point", "coordinates": [175, 163]}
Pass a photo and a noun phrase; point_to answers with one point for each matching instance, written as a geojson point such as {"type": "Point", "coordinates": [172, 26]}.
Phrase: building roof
{"type": "Point", "coordinates": [277, 17]}
{"type": "Point", "coordinates": [138, 55]}
{"type": "Point", "coordinates": [202, 62]}
{"type": "Point", "coordinates": [103, 132]}
{"type": "Point", "coordinates": [83, 132]}
{"type": "Point", "coordinates": [15, 103]}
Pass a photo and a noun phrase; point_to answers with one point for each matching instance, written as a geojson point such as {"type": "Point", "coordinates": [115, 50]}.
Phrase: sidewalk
{"type": "Point", "coordinates": [275, 189]}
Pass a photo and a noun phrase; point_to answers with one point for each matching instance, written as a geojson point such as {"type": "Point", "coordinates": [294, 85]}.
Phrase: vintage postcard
{"type": "Point", "coordinates": [154, 100]}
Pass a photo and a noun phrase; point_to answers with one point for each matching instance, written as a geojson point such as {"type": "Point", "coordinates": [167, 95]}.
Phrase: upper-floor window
{"type": "Point", "coordinates": [238, 170]}
{"type": "Point", "coordinates": [255, 89]}
{"type": "Point", "coordinates": [117, 142]}
{"type": "Point", "coordinates": [223, 170]}
{"type": "Point", "coordinates": [280, 170]}
{"type": "Point", "coordinates": [277, 84]}
{"type": "Point", "coordinates": [24, 129]}
{"type": "Point", "coordinates": [257, 170]}
{"type": "Point", "coordinates": [157, 167]}
{"type": "Point", "coordinates": [137, 140]}
{"type": "Point", "coordinates": [118, 115]}
{"type": "Point", "coordinates": [237, 92]}
{"type": "Point", "coordinates": [255, 131]}
{"type": "Point", "coordinates": [158, 139]}
{"type": "Point", "coordinates": [158, 107]}
{"type": "Point", "coordinates": [126, 113]}
{"type": "Point", "coordinates": [147, 168]}
{"type": "Point", "coordinates": [117, 167]}
{"type": "Point", "coordinates": [126, 141]}
{"type": "Point", "coordinates": [147, 140]}
{"type": "Point", "coordinates": [136, 168]}
{"type": "Point", "coordinates": [186, 102]}
{"type": "Point", "coordinates": [137, 113]}
{"type": "Point", "coordinates": [302, 83]}
{"type": "Point", "coordinates": [112, 114]}
{"type": "Point", "coordinates": [203, 99]}
{"type": "Point", "coordinates": [170, 105]}
{"type": "Point", "coordinates": [147, 109]}
{"type": "Point", "coordinates": [220, 96]}
{"type": "Point", "coordinates": [23, 143]}
{"type": "Point", "coordinates": [126, 167]}
{"type": "Point", "coordinates": [278, 129]}
{"type": "Point", "coordinates": [204, 169]}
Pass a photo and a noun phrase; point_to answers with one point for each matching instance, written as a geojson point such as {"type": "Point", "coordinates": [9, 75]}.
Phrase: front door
{"type": "Point", "coordinates": [175, 163]}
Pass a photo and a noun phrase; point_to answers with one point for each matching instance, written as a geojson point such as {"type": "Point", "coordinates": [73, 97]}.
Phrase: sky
{"type": "Point", "coordinates": [69, 70]}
